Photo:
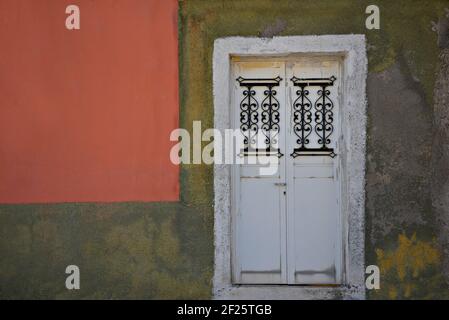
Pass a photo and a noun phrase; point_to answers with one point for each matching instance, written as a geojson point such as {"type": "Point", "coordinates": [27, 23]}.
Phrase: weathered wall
{"type": "Point", "coordinates": [440, 149]}
{"type": "Point", "coordinates": [86, 116]}
{"type": "Point", "coordinates": [165, 250]}
{"type": "Point", "coordinates": [401, 229]}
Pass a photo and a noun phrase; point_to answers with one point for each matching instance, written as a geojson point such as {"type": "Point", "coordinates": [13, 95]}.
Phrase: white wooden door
{"type": "Point", "coordinates": [260, 213]}
{"type": "Point", "coordinates": [287, 225]}
{"type": "Point", "coordinates": [313, 214]}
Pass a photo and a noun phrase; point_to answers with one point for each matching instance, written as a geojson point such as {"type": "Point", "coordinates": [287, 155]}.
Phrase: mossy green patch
{"type": "Point", "coordinates": [124, 251]}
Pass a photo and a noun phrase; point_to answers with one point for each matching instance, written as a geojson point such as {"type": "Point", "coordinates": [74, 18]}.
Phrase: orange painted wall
{"type": "Point", "coordinates": [86, 115]}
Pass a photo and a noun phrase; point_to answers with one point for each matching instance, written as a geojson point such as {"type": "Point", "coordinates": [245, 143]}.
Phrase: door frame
{"type": "Point", "coordinates": [352, 49]}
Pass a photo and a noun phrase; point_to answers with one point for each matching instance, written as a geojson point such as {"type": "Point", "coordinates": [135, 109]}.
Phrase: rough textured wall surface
{"type": "Point", "coordinates": [133, 250]}
{"type": "Point", "coordinates": [440, 153]}
{"type": "Point", "coordinates": [123, 250]}
{"type": "Point", "coordinates": [128, 250]}
{"type": "Point", "coordinates": [401, 227]}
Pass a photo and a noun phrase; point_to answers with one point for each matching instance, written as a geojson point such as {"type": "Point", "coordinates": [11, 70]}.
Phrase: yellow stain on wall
{"type": "Point", "coordinates": [407, 262]}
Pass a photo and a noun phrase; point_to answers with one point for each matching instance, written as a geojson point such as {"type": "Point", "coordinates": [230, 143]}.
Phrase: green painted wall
{"type": "Point", "coordinates": [128, 250]}
{"type": "Point", "coordinates": [139, 250]}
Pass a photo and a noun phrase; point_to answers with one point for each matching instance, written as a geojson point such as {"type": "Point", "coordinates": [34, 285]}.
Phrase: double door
{"type": "Point", "coordinates": [286, 221]}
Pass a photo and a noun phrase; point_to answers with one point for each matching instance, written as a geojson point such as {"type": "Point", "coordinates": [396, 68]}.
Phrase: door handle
{"type": "Point", "coordinates": [280, 184]}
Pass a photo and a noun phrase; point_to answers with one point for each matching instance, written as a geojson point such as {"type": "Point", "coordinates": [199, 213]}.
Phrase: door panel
{"type": "Point", "coordinates": [260, 233]}
{"type": "Point", "coordinates": [260, 244]}
{"type": "Point", "coordinates": [315, 220]}
{"type": "Point", "coordinates": [313, 214]}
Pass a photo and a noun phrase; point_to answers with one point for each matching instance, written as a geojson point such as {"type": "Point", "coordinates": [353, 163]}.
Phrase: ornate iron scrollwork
{"type": "Point", "coordinates": [268, 115]}
{"type": "Point", "coordinates": [323, 114]}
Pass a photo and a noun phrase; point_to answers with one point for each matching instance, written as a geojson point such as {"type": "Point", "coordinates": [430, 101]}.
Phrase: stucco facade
{"type": "Point", "coordinates": [164, 250]}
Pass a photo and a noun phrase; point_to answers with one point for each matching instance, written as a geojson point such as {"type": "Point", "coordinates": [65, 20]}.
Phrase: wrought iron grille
{"type": "Point", "coordinates": [264, 118]}
{"type": "Point", "coordinates": [318, 116]}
